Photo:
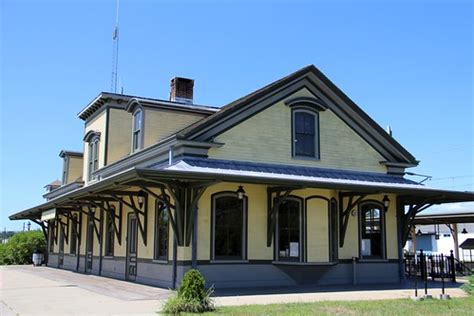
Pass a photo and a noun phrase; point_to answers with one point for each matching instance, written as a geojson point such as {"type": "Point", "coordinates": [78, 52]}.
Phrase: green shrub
{"type": "Point", "coordinates": [191, 297]}
{"type": "Point", "coordinates": [469, 287]}
{"type": "Point", "coordinates": [19, 248]}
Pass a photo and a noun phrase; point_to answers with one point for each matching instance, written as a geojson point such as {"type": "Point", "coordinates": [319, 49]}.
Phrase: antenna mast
{"type": "Point", "coordinates": [115, 38]}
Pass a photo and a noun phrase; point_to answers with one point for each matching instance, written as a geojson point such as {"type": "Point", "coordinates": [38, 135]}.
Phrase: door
{"type": "Point", "coordinates": [61, 246]}
{"type": "Point", "coordinates": [132, 245]}
{"type": "Point", "coordinates": [89, 246]}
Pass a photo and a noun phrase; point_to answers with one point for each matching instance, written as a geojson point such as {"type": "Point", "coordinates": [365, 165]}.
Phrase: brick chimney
{"type": "Point", "coordinates": [182, 90]}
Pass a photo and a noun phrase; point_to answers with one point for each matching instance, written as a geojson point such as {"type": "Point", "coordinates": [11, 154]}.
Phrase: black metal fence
{"type": "Point", "coordinates": [434, 266]}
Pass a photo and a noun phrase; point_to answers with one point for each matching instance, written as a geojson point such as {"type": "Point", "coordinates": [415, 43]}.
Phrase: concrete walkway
{"type": "Point", "coordinates": [27, 290]}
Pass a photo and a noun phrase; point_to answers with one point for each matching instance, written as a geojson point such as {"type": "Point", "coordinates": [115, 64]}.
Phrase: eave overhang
{"type": "Point", "coordinates": [454, 218]}
{"type": "Point", "coordinates": [150, 177]}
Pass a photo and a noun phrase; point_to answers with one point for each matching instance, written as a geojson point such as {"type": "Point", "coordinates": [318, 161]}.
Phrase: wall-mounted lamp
{"type": "Point", "coordinates": [240, 192]}
{"type": "Point", "coordinates": [141, 198]}
{"type": "Point", "coordinates": [464, 231]}
{"type": "Point", "coordinates": [386, 202]}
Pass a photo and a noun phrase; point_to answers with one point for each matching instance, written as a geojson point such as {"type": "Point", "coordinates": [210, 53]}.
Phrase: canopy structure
{"type": "Point", "coordinates": [467, 244]}
{"type": "Point", "coordinates": [195, 174]}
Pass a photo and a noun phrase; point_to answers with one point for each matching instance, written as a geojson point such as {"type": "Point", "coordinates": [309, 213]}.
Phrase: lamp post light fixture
{"type": "Point", "coordinates": [419, 233]}
{"type": "Point", "coordinates": [141, 198]}
{"type": "Point", "coordinates": [386, 202]}
{"type": "Point", "coordinates": [240, 192]}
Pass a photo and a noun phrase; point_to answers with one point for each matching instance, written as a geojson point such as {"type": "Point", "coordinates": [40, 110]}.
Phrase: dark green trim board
{"type": "Point", "coordinates": [314, 103]}
{"type": "Point", "coordinates": [107, 135]}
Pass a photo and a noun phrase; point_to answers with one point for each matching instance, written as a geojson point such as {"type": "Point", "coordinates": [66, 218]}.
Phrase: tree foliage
{"type": "Point", "coordinates": [19, 248]}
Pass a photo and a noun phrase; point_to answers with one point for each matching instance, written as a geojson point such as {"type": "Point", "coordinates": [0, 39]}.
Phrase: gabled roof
{"type": "Point", "coordinates": [313, 79]}
{"type": "Point", "coordinates": [63, 153]}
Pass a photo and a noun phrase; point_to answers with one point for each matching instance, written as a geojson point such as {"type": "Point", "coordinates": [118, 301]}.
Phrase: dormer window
{"type": "Point", "coordinates": [93, 140]}
{"type": "Point", "coordinates": [305, 126]}
{"type": "Point", "coordinates": [137, 136]}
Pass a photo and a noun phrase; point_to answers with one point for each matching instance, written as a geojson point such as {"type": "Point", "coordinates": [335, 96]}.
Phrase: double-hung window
{"type": "Point", "coordinates": [137, 135]}
{"type": "Point", "coordinates": [93, 160]}
{"type": "Point", "coordinates": [305, 133]}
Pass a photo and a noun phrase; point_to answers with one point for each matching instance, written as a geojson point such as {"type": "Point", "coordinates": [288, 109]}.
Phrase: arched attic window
{"type": "Point", "coordinates": [305, 126]}
{"type": "Point", "coordinates": [93, 139]}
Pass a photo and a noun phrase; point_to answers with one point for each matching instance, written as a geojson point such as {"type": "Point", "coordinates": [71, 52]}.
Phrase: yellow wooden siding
{"type": "Point", "coordinates": [160, 124]}
{"type": "Point", "coordinates": [257, 219]}
{"type": "Point", "coordinates": [317, 246]}
{"type": "Point", "coordinates": [352, 243]}
{"type": "Point", "coordinates": [317, 230]}
{"type": "Point", "coordinates": [119, 135]}
{"type": "Point", "coordinates": [266, 137]}
{"type": "Point", "coordinates": [74, 169]}
{"type": "Point", "coordinates": [96, 124]}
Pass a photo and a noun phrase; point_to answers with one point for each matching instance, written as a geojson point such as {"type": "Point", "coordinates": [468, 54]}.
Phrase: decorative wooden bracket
{"type": "Point", "coordinates": [345, 213]}
{"type": "Point", "coordinates": [43, 226]}
{"type": "Point", "coordinates": [194, 194]}
{"type": "Point", "coordinates": [142, 216]}
{"type": "Point", "coordinates": [64, 226]}
{"type": "Point", "coordinates": [408, 217]}
{"type": "Point", "coordinates": [164, 198]}
{"type": "Point", "coordinates": [110, 212]}
{"type": "Point", "coordinates": [91, 215]}
{"type": "Point", "coordinates": [75, 221]}
{"type": "Point", "coordinates": [273, 205]}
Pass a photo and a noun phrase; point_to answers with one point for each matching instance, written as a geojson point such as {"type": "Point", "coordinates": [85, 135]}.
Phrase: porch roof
{"type": "Point", "coordinates": [193, 170]}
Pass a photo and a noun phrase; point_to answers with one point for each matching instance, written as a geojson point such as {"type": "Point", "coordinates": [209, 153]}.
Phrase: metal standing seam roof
{"type": "Point", "coordinates": [295, 170]}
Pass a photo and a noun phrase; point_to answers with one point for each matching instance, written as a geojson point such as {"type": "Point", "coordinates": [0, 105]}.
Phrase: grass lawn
{"type": "Point", "coordinates": [458, 306]}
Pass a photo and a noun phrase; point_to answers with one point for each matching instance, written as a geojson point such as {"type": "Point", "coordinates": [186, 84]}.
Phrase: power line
{"type": "Point", "coordinates": [453, 177]}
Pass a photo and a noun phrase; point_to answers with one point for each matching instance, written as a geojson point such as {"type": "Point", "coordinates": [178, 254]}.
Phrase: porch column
{"type": "Point", "coordinates": [456, 241]}
{"type": "Point", "coordinates": [413, 239]}
{"type": "Point", "coordinates": [194, 241]}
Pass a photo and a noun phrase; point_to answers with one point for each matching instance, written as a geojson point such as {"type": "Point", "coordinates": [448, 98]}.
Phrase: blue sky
{"type": "Point", "coordinates": [408, 64]}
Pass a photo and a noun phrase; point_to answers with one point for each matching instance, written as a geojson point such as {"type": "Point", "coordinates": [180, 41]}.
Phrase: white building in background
{"type": "Point", "coordinates": [436, 226]}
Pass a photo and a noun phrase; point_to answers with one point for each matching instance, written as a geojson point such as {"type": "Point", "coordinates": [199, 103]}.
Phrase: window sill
{"type": "Point", "coordinates": [159, 261]}
{"type": "Point", "coordinates": [371, 260]}
{"type": "Point", "coordinates": [297, 263]}
{"type": "Point", "coordinates": [228, 261]}
{"type": "Point", "coordinates": [308, 158]}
